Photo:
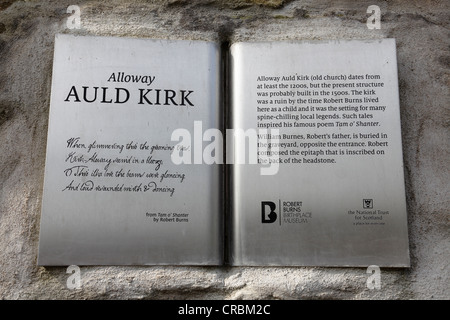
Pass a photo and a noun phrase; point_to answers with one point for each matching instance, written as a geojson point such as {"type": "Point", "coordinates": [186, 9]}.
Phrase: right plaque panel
{"type": "Point", "coordinates": [328, 186]}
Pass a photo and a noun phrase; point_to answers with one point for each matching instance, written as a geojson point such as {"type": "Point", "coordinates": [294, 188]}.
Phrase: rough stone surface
{"type": "Point", "coordinates": [27, 30]}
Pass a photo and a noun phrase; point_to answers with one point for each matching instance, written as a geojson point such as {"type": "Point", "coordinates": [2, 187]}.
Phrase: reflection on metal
{"type": "Point", "coordinates": [112, 195]}
{"type": "Point", "coordinates": [338, 198]}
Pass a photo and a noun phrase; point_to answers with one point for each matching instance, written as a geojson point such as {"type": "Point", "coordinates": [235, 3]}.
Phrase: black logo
{"type": "Point", "coordinates": [271, 217]}
{"type": "Point", "coordinates": [368, 203]}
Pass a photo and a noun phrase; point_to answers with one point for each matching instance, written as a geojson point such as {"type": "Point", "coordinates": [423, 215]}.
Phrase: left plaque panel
{"type": "Point", "coordinates": [112, 193]}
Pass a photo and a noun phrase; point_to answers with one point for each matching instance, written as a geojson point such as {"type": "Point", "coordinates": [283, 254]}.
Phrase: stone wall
{"type": "Point", "coordinates": [27, 30]}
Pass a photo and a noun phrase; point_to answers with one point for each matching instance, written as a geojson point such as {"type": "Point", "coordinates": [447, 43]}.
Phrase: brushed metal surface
{"type": "Point", "coordinates": [337, 229]}
{"type": "Point", "coordinates": [116, 224]}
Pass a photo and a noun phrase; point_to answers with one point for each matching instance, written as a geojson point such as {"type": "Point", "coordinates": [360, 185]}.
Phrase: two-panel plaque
{"type": "Point", "coordinates": [137, 140]}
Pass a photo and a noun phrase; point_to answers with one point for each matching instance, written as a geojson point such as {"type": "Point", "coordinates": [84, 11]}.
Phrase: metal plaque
{"type": "Point", "coordinates": [327, 188]}
{"type": "Point", "coordinates": [113, 194]}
